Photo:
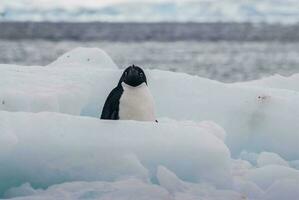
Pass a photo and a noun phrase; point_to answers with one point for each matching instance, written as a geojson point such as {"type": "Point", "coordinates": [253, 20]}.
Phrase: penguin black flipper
{"type": "Point", "coordinates": [111, 107]}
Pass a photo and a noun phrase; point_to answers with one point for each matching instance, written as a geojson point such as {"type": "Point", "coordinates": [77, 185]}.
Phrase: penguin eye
{"type": "Point", "coordinates": [141, 74]}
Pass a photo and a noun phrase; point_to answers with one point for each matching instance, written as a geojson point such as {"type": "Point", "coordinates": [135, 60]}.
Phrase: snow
{"type": "Point", "coordinates": [251, 116]}
{"type": "Point", "coordinates": [284, 189]}
{"type": "Point", "coordinates": [276, 81]}
{"type": "Point", "coordinates": [295, 164]}
{"type": "Point", "coordinates": [214, 129]}
{"type": "Point", "coordinates": [120, 190]}
{"type": "Point", "coordinates": [264, 177]}
{"type": "Point", "coordinates": [110, 151]}
{"type": "Point", "coordinates": [87, 57]}
{"type": "Point", "coordinates": [268, 158]}
{"type": "Point", "coordinates": [213, 140]}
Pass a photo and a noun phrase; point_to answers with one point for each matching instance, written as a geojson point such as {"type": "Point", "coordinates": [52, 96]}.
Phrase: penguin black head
{"type": "Point", "coordinates": [133, 76]}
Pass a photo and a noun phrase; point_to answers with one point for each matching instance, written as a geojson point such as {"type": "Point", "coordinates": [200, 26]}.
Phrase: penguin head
{"type": "Point", "coordinates": [133, 76]}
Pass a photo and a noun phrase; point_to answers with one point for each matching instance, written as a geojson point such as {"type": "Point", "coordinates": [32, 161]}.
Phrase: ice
{"type": "Point", "coordinates": [119, 190]}
{"type": "Point", "coordinates": [70, 148]}
{"type": "Point", "coordinates": [268, 158]}
{"type": "Point", "coordinates": [125, 190]}
{"type": "Point", "coordinates": [266, 176]}
{"type": "Point", "coordinates": [170, 181]}
{"type": "Point", "coordinates": [214, 129]}
{"type": "Point", "coordinates": [251, 116]}
{"type": "Point", "coordinates": [183, 190]}
{"type": "Point", "coordinates": [276, 81]}
{"type": "Point", "coordinates": [23, 190]}
{"type": "Point", "coordinates": [249, 156]}
{"type": "Point", "coordinates": [295, 164]}
{"type": "Point", "coordinates": [136, 189]}
{"type": "Point", "coordinates": [248, 189]}
{"type": "Point", "coordinates": [213, 140]}
{"type": "Point", "coordinates": [284, 189]}
{"type": "Point", "coordinates": [85, 57]}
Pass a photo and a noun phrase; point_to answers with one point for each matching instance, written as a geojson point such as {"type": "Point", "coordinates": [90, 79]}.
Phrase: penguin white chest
{"type": "Point", "coordinates": [136, 103]}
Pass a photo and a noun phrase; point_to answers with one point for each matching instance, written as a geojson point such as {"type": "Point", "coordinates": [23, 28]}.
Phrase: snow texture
{"type": "Point", "coordinates": [85, 57]}
{"type": "Point", "coordinates": [267, 158]}
{"type": "Point", "coordinates": [213, 140]}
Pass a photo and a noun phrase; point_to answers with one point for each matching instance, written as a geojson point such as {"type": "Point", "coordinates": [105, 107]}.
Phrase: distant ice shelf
{"type": "Point", "coordinates": [278, 11]}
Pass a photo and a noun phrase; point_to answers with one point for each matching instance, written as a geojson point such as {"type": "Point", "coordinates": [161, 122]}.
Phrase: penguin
{"type": "Point", "coordinates": [130, 99]}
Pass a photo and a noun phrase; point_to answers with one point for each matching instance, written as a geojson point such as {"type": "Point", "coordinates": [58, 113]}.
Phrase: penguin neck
{"type": "Point", "coordinates": [128, 87]}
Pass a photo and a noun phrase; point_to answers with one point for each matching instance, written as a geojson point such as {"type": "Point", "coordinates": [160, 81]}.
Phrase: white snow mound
{"type": "Point", "coordinates": [251, 116]}
{"type": "Point", "coordinates": [85, 57]}
{"type": "Point", "coordinates": [70, 148]}
{"type": "Point", "coordinates": [214, 141]}
{"type": "Point", "coordinates": [268, 158]}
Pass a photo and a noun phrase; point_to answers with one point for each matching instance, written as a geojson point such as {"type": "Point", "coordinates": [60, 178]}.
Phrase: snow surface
{"type": "Point", "coordinates": [213, 140]}
{"type": "Point", "coordinates": [85, 57]}
{"type": "Point", "coordinates": [267, 158]}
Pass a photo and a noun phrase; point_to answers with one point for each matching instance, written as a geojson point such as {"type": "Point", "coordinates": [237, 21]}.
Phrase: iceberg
{"type": "Point", "coordinates": [73, 148]}
{"type": "Point", "coordinates": [213, 140]}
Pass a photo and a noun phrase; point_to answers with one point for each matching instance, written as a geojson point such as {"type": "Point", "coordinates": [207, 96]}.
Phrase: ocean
{"type": "Point", "coordinates": [227, 52]}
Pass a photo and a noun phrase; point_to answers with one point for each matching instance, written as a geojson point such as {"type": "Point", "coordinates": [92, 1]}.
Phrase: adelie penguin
{"type": "Point", "coordinates": [131, 99]}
